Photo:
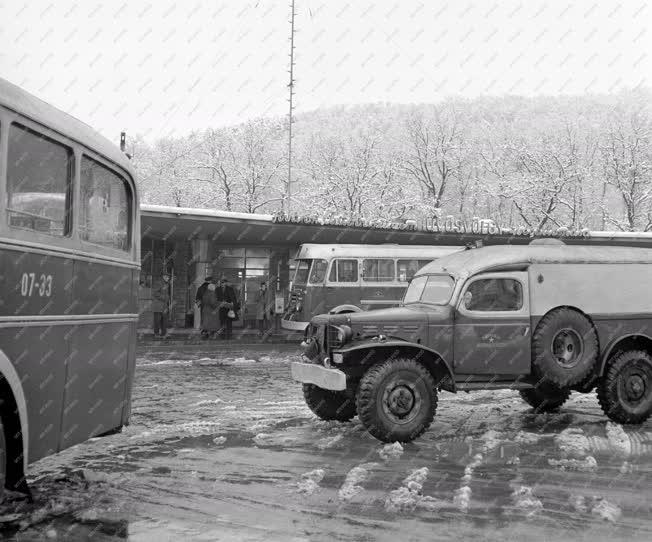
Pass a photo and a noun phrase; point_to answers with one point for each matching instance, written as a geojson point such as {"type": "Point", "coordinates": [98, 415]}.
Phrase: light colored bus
{"type": "Point", "coordinates": [353, 278]}
{"type": "Point", "coordinates": [69, 265]}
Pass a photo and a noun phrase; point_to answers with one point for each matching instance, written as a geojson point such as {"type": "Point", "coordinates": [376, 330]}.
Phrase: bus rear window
{"type": "Point", "coordinates": [39, 172]}
{"type": "Point", "coordinates": [104, 212]}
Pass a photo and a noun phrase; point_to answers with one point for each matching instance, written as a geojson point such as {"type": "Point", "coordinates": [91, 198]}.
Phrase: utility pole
{"type": "Point", "coordinates": [288, 195]}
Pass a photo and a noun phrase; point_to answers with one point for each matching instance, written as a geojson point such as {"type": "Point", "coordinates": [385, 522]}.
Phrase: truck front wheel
{"type": "Point", "coordinates": [329, 405]}
{"type": "Point", "coordinates": [625, 390]}
{"type": "Point", "coordinates": [397, 400]}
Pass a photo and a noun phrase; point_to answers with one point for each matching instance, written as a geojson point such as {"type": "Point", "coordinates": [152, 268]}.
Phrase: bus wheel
{"type": "Point", "coordinates": [564, 347]}
{"type": "Point", "coordinates": [397, 400]}
{"type": "Point", "coordinates": [329, 405]}
{"type": "Point", "coordinates": [545, 400]}
{"type": "Point", "coordinates": [625, 391]}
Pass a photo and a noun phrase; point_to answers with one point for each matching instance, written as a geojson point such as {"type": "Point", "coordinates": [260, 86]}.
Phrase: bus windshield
{"type": "Point", "coordinates": [301, 273]}
{"type": "Point", "coordinates": [433, 289]}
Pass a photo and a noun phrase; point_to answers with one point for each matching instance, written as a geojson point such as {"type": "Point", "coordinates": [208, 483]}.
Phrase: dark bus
{"type": "Point", "coordinates": [69, 266]}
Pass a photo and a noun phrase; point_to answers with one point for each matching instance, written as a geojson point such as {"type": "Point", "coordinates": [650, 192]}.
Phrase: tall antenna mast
{"type": "Point", "coordinates": [288, 194]}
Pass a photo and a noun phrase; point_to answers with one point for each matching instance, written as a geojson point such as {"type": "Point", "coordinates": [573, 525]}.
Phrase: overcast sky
{"type": "Point", "coordinates": [160, 66]}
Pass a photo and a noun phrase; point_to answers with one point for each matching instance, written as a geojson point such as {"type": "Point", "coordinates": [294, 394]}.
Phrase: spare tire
{"type": "Point", "coordinates": [564, 348]}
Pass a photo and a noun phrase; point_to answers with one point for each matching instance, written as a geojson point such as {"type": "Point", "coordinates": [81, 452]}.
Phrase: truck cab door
{"type": "Point", "coordinates": [492, 325]}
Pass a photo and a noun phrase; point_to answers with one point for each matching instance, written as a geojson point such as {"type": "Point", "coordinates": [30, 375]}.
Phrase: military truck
{"type": "Point", "coordinates": [544, 319]}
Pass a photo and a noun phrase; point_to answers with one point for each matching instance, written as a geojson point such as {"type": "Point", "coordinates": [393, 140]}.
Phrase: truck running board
{"type": "Point", "coordinates": [493, 385]}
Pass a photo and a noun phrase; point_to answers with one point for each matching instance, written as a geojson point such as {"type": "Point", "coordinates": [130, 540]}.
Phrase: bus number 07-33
{"type": "Point", "coordinates": [29, 285]}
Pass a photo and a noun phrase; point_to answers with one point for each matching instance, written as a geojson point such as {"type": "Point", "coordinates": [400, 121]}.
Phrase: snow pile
{"type": "Point", "coordinates": [391, 451]}
{"type": "Point", "coordinates": [329, 442]}
{"type": "Point", "coordinates": [588, 464]}
{"type": "Point", "coordinates": [219, 440]}
{"type": "Point", "coordinates": [491, 440]}
{"type": "Point", "coordinates": [578, 502]}
{"type": "Point", "coordinates": [462, 496]}
{"type": "Point", "coordinates": [572, 442]}
{"type": "Point", "coordinates": [310, 481]}
{"type": "Point", "coordinates": [606, 510]}
{"type": "Point", "coordinates": [524, 500]}
{"type": "Point", "coordinates": [239, 361]}
{"type": "Point", "coordinates": [408, 497]}
{"type": "Point", "coordinates": [350, 488]}
{"type": "Point", "coordinates": [527, 438]}
{"type": "Point", "coordinates": [208, 402]}
{"type": "Point", "coordinates": [262, 439]}
{"type": "Point", "coordinates": [618, 439]}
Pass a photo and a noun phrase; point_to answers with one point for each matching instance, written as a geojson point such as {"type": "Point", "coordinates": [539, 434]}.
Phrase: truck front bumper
{"type": "Point", "coordinates": [328, 379]}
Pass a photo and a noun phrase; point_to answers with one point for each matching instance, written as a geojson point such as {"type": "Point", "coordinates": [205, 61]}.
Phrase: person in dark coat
{"type": "Point", "coordinates": [263, 309]}
{"type": "Point", "coordinates": [210, 306]}
{"type": "Point", "coordinates": [198, 300]}
{"type": "Point", "coordinates": [161, 305]}
{"type": "Point", "coordinates": [227, 302]}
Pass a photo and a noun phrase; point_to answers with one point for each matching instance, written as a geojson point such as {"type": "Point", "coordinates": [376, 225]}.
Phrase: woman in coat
{"type": "Point", "coordinates": [210, 318]}
{"type": "Point", "coordinates": [262, 309]}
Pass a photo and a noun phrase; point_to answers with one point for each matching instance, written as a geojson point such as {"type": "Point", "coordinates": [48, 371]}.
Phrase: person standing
{"type": "Point", "coordinates": [161, 306]}
{"type": "Point", "coordinates": [263, 309]}
{"type": "Point", "coordinates": [198, 300]}
{"type": "Point", "coordinates": [210, 320]}
{"type": "Point", "coordinates": [228, 306]}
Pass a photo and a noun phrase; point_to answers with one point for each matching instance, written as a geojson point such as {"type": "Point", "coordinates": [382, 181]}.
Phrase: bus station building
{"type": "Point", "coordinates": [192, 244]}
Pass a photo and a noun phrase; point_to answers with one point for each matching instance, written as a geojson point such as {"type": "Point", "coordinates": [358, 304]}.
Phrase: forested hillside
{"type": "Point", "coordinates": [563, 162]}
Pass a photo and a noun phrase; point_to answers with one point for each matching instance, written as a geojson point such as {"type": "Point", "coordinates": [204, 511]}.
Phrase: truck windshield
{"type": "Point", "coordinates": [434, 289]}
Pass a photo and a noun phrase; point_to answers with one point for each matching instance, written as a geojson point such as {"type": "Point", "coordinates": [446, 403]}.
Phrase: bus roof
{"type": "Point", "coordinates": [22, 102]}
{"type": "Point", "coordinates": [494, 258]}
{"type": "Point", "coordinates": [421, 252]}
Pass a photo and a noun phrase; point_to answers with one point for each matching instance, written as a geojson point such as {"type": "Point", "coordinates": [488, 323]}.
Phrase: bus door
{"type": "Point", "coordinates": [378, 289]}
{"type": "Point", "coordinates": [343, 286]}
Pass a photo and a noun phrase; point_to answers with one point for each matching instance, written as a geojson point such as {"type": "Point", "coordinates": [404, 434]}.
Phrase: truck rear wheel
{"type": "Point", "coordinates": [546, 399]}
{"type": "Point", "coordinates": [625, 390]}
{"type": "Point", "coordinates": [397, 400]}
{"type": "Point", "coordinates": [329, 405]}
{"type": "Point", "coordinates": [564, 348]}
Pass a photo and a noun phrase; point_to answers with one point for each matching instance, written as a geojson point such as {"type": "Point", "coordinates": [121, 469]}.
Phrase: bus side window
{"type": "Point", "coordinates": [406, 269]}
{"type": "Point", "coordinates": [344, 271]}
{"type": "Point", "coordinates": [377, 270]}
{"type": "Point", "coordinates": [39, 173]}
{"type": "Point", "coordinates": [105, 203]}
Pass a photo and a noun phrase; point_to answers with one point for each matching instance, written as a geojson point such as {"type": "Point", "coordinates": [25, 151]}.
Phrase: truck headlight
{"type": "Point", "coordinates": [340, 335]}
{"type": "Point", "coordinates": [338, 357]}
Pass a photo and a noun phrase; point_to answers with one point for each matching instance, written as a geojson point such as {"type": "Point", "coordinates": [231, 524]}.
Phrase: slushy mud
{"type": "Point", "coordinates": [224, 448]}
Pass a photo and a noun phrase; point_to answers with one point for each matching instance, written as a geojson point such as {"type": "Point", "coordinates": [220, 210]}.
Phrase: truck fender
{"type": "Point", "coordinates": [344, 308]}
{"type": "Point", "coordinates": [375, 344]}
{"type": "Point", "coordinates": [614, 344]}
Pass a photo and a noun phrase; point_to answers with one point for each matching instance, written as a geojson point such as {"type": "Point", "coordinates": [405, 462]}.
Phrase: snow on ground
{"type": "Point", "coordinates": [224, 448]}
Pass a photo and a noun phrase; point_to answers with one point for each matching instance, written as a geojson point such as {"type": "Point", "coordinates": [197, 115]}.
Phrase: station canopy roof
{"type": "Point", "coordinates": [248, 229]}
